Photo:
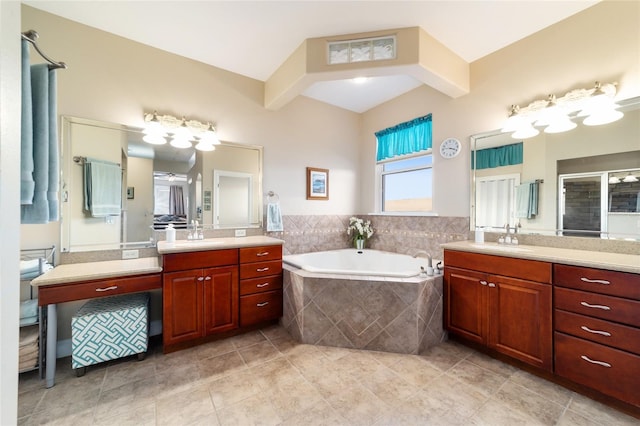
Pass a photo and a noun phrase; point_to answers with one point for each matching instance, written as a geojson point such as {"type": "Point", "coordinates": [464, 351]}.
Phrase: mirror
{"type": "Point", "coordinates": [160, 185]}
{"type": "Point", "coordinates": [553, 166]}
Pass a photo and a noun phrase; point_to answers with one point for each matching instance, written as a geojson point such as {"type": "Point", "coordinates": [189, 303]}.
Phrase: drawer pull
{"type": "Point", "coordinates": [207, 278]}
{"type": "Point", "coordinates": [262, 285]}
{"type": "Point", "coordinates": [200, 278]}
{"type": "Point", "coordinates": [483, 282]}
{"type": "Point", "coordinates": [587, 329]}
{"type": "Point", "coordinates": [261, 305]}
{"type": "Point", "coordinates": [602, 363]}
{"type": "Point", "coordinates": [262, 269]}
{"type": "Point", "coordinates": [587, 280]}
{"type": "Point", "coordinates": [603, 307]}
{"type": "Point", "coordinates": [492, 285]}
{"type": "Point", "coordinates": [263, 253]}
{"type": "Point", "coordinates": [113, 287]}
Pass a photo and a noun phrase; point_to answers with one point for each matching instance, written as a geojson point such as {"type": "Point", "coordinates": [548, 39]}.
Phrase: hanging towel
{"type": "Point", "coordinates": [274, 218]}
{"type": "Point", "coordinates": [26, 129]}
{"type": "Point", "coordinates": [527, 200]}
{"type": "Point", "coordinates": [102, 188]}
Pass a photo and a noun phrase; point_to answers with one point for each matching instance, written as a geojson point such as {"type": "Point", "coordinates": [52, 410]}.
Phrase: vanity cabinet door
{"type": "Point", "coordinates": [520, 325]}
{"type": "Point", "coordinates": [220, 299]}
{"type": "Point", "coordinates": [182, 306]}
{"type": "Point", "coordinates": [465, 304]}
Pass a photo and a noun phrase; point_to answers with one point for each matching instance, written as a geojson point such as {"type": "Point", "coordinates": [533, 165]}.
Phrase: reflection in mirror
{"type": "Point", "coordinates": [148, 202]}
{"type": "Point", "coordinates": [500, 176]}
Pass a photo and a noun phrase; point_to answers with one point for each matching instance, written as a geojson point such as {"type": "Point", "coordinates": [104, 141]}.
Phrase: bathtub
{"type": "Point", "coordinates": [364, 299]}
{"type": "Point", "coordinates": [358, 262]}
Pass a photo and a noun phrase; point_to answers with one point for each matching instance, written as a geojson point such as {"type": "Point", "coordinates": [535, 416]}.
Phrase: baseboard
{"type": "Point", "coordinates": [63, 348]}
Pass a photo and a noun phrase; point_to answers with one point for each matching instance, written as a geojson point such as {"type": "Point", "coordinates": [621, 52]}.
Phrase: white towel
{"type": "Point", "coordinates": [102, 188]}
{"type": "Point", "coordinates": [274, 218]}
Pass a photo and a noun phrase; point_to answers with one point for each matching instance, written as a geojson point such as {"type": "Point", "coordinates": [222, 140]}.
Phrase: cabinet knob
{"type": "Point", "coordinates": [200, 278]}
{"type": "Point", "coordinates": [492, 285]}
{"type": "Point", "coordinates": [207, 278]}
{"type": "Point", "coordinates": [603, 307]}
{"type": "Point", "coordinates": [602, 363]}
{"type": "Point", "coordinates": [587, 280]}
{"type": "Point", "coordinates": [483, 282]}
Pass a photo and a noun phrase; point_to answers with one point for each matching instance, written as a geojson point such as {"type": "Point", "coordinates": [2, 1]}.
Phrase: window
{"type": "Point", "coordinates": [406, 184]}
{"type": "Point", "coordinates": [404, 167]}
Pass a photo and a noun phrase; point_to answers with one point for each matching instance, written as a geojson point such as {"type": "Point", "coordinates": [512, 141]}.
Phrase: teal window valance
{"type": "Point", "coordinates": [506, 155]}
{"type": "Point", "coordinates": [404, 138]}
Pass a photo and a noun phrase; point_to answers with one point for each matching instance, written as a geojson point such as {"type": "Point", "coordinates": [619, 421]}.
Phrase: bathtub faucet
{"type": "Point", "coordinates": [422, 253]}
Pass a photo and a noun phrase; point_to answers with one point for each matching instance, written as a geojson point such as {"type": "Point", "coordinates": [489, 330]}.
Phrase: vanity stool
{"type": "Point", "coordinates": [109, 328]}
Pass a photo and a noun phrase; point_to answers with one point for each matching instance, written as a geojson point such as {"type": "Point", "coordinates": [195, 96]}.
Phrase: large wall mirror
{"type": "Point", "coordinates": [584, 182]}
{"type": "Point", "coordinates": [158, 185]}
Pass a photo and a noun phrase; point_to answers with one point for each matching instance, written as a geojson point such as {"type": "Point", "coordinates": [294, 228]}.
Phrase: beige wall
{"type": "Point", "coordinates": [139, 210]}
{"type": "Point", "coordinates": [600, 43]}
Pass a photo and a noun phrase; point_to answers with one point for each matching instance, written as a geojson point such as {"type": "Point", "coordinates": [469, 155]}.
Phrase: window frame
{"type": "Point", "coordinates": [379, 182]}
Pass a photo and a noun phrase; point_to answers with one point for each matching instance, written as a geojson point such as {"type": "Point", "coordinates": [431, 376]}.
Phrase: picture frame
{"type": "Point", "coordinates": [130, 192]}
{"type": "Point", "coordinates": [317, 184]}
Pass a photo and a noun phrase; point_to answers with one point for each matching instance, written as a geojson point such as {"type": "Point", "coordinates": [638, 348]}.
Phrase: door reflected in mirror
{"type": "Point", "coordinates": [174, 195]}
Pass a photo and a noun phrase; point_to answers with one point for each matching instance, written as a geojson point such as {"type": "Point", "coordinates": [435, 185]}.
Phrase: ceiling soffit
{"type": "Point", "coordinates": [417, 55]}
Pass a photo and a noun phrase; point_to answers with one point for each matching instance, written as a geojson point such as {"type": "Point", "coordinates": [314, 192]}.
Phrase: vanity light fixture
{"type": "Point", "coordinates": [595, 105]}
{"type": "Point", "coordinates": [614, 180]}
{"type": "Point", "coordinates": [630, 178]}
{"type": "Point", "coordinates": [183, 132]}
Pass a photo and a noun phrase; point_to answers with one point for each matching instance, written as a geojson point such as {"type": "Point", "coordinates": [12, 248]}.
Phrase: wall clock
{"type": "Point", "coordinates": [450, 147]}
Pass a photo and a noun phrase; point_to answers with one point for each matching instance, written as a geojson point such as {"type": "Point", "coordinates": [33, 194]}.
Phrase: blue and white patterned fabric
{"type": "Point", "coordinates": [109, 328]}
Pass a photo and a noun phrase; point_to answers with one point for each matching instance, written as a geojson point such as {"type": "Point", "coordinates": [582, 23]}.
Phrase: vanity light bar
{"type": "Point", "coordinates": [595, 105]}
{"type": "Point", "coordinates": [182, 132]}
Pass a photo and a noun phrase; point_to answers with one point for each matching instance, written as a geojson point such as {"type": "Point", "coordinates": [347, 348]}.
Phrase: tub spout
{"type": "Point", "coordinates": [426, 255]}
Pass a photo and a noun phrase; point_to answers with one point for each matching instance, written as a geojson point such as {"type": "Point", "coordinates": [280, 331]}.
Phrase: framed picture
{"type": "Point", "coordinates": [130, 192]}
{"type": "Point", "coordinates": [317, 184]}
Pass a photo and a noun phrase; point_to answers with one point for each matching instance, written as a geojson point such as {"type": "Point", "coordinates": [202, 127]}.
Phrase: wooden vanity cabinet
{"type": "Point", "coordinates": [502, 303]}
{"type": "Point", "coordinates": [260, 284]}
{"type": "Point", "coordinates": [200, 295]}
{"type": "Point", "coordinates": [597, 330]}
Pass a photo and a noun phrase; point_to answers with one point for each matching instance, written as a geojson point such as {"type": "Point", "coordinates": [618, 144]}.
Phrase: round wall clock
{"type": "Point", "coordinates": [450, 147]}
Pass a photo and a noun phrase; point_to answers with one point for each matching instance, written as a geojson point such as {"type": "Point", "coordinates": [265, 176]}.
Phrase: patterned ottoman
{"type": "Point", "coordinates": [109, 328]}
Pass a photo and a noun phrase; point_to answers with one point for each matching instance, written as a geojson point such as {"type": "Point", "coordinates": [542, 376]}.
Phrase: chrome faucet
{"type": "Point", "coordinates": [422, 253]}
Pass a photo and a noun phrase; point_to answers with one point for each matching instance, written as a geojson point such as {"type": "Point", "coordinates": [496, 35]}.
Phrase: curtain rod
{"type": "Point", "coordinates": [31, 36]}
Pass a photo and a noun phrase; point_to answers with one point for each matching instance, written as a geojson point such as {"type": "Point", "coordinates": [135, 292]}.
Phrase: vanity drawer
{"type": "Point", "coordinates": [97, 288]}
{"type": "Point", "coordinates": [260, 254]}
{"type": "Point", "coordinates": [598, 280]}
{"type": "Point", "coordinates": [600, 331]}
{"type": "Point", "coordinates": [610, 371]}
{"type": "Point", "coordinates": [260, 307]}
{"type": "Point", "coordinates": [598, 305]}
{"type": "Point", "coordinates": [532, 270]}
{"type": "Point", "coordinates": [199, 259]}
{"type": "Point", "coordinates": [260, 269]}
{"type": "Point", "coordinates": [260, 285]}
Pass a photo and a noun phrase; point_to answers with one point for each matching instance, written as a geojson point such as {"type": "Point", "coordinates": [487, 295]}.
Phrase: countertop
{"type": "Point", "coordinates": [181, 246]}
{"type": "Point", "coordinates": [591, 259]}
{"type": "Point", "coordinates": [74, 272]}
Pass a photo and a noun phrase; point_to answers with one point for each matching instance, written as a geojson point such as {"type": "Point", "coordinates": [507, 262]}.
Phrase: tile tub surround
{"type": "Point", "coordinates": [359, 312]}
{"type": "Point", "coordinates": [398, 234]}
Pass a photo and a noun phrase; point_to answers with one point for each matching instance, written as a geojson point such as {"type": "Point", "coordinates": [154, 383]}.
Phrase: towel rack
{"type": "Point", "coordinates": [31, 36]}
{"type": "Point", "coordinates": [273, 197]}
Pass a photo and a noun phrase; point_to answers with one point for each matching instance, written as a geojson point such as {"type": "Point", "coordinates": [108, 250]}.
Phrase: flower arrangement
{"type": "Point", "coordinates": [359, 230]}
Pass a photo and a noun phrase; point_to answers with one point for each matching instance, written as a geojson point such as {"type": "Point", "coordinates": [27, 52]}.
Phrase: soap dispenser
{"type": "Point", "coordinates": [171, 233]}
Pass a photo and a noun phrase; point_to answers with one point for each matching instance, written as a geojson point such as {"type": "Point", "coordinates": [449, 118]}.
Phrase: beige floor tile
{"type": "Point", "coordinates": [599, 412]}
{"type": "Point", "coordinates": [177, 379]}
{"type": "Point", "coordinates": [357, 405]}
{"type": "Point", "coordinates": [444, 356]}
{"type": "Point", "coordinates": [140, 415]}
{"type": "Point", "coordinates": [387, 385]}
{"type": "Point", "coordinates": [118, 401]}
{"type": "Point", "coordinates": [211, 349]}
{"type": "Point", "coordinates": [483, 380]}
{"type": "Point", "coordinates": [491, 364]}
{"type": "Point", "coordinates": [415, 370]}
{"type": "Point", "coordinates": [247, 339]}
{"type": "Point", "coordinates": [185, 408]}
{"type": "Point", "coordinates": [232, 389]}
{"type": "Point", "coordinates": [259, 353]}
{"type": "Point", "coordinates": [545, 388]}
{"type": "Point", "coordinates": [125, 372]}
{"type": "Point", "coordinates": [28, 401]}
{"type": "Point", "coordinates": [495, 413]}
{"type": "Point", "coordinates": [64, 415]}
{"type": "Point", "coordinates": [318, 415]}
{"type": "Point", "coordinates": [82, 393]}
{"type": "Point", "coordinates": [220, 366]}
{"type": "Point", "coordinates": [275, 332]}
{"type": "Point", "coordinates": [533, 405]}
{"type": "Point", "coordinates": [256, 410]}
{"type": "Point", "coordinates": [571, 418]}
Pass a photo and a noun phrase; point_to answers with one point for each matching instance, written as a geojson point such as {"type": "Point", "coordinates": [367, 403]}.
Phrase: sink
{"type": "Point", "coordinates": [503, 248]}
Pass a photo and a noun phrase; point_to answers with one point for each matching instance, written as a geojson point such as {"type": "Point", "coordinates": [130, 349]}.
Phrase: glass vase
{"type": "Point", "coordinates": [359, 243]}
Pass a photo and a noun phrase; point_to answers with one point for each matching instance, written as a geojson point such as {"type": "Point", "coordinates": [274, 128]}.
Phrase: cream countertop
{"type": "Point", "coordinates": [591, 259]}
{"type": "Point", "coordinates": [74, 272]}
{"type": "Point", "coordinates": [181, 246]}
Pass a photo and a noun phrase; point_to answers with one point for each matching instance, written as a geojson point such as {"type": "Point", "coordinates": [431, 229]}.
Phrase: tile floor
{"type": "Point", "coordinates": [266, 378]}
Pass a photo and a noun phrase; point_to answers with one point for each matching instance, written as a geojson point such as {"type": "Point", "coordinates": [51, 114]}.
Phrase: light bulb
{"type": "Point", "coordinates": [154, 139]}
{"type": "Point", "coordinates": [204, 145]}
{"type": "Point", "coordinates": [210, 135]}
{"type": "Point", "coordinates": [181, 143]}
{"type": "Point", "coordinates": [525, 132]}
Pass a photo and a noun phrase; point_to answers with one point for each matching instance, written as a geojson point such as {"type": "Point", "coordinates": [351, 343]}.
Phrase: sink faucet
{"type": "Point", "coordinates": [422, 253]}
